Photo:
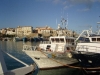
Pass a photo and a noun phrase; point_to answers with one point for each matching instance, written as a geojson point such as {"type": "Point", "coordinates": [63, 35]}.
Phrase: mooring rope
{"type": "Point", "coordinates": [67, 64]}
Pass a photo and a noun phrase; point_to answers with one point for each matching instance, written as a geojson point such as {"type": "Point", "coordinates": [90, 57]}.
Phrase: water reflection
{"type": "Point", "coordinates": [61, 71]}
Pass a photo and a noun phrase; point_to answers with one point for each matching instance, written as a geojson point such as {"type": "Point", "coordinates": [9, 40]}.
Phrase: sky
{"type": "Point", "coordinates": [80, 14]}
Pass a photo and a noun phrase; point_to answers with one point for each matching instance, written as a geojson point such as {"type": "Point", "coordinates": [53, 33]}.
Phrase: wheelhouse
{"type": "Point", "coordinates": [62, 40]}
{"type": "Point", "coordinates": [90, 39]}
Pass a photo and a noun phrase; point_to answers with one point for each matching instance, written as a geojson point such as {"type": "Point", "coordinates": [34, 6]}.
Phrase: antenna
{"type": "Point", "coordinates": [63, 21]}
{"type": "Point", "coordinates": [67, 21]}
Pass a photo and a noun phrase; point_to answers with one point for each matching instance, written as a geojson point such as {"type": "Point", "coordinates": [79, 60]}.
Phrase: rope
{"type": "Point", "coordinates": [69, 65]}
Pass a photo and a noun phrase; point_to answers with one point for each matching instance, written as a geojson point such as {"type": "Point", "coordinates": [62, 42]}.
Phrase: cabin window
{"type": "Point", "coordinates": [52, 39]}
{"type": "Point", "coordinates": [93, 39]}
{"type": "Point", "coordinates": [98, 39]}
{"type": "Point", "coordinates": [87, 40]}
{"type": "Point", "coordinates": [69, 40]}
{"type": "Point", "coordinates": [48, 47]}
{"type": "Point", "coordinates": [57, 39]}
{"type": "Point", "coordinates": [61, 39]}
{"type": "Point", "coordinates": [66, 40]}
{"type": "Point", "coordinates": [72, 40]}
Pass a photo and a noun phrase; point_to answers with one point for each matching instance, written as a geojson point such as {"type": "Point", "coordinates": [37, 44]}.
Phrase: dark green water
{"type": "Point", "coordinates": [15, 49]}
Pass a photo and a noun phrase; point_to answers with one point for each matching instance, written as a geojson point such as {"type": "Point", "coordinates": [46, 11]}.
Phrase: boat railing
{"type": "Point", "coordinates": [45, 42]}
{"type": "Point", "coordinates": [29, 48]}
{"type": "Point", "coordinates": [88, 48]}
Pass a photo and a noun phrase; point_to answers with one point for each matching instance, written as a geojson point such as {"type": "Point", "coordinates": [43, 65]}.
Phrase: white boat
{"type": "Point", "coordinates": [17, 39]}
{"type": "Point", "coordinates": [52, 53]}
{"type": "Point", "coordinates": [87, 51]}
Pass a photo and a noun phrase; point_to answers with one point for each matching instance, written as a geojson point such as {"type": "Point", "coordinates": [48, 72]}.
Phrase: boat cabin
{"type": "Point", "coordinates": [62, 40]}
{"type": "Point", "coordinates": [91, 39]}
{"type": "Point", "coordinates": [58, 44]}
{"type": "Point", "coordinates": [95, 39]}
{"type": "Point", "coordinates": [88, 43]}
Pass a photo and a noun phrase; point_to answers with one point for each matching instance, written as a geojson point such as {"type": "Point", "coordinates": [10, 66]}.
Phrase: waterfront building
{"type": "Point", "coordinates": [3, 31]}
{"type": "Point", "coordinates": [10, 31]}
{"type": "Point", "coordinates": [24, 31]}
{"type": "Point", "coordinates": [44, 31]}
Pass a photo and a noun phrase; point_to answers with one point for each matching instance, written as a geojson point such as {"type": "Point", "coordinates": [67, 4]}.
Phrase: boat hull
{"type": "Point", "coordinates": [88, 60]}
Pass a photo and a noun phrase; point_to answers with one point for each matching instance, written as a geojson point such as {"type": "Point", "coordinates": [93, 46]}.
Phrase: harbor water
{"type": "Point", "coordinates": [15, 49]}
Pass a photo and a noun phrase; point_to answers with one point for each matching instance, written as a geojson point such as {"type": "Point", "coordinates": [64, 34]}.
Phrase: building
{"type": "Point", "coordinates": [24, 31]}
{"type": "Point", "coordinates": [3, 31]}
{"type": "Point", "coordinates": [10, 31]}
{"type": "Point", "coordinates": [44, 31]}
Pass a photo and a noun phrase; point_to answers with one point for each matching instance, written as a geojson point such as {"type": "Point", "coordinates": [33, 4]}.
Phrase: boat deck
{"type": "Point", "coordinates": [44, 61]}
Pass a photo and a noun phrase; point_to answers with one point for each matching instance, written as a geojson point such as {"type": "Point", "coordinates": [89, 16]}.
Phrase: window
{"type": "Point", "coordinates": [87, 40]}
{"type": "Point", "coordinates": [57, 39]}
{"type": "Point", "coordinates": [93, 39]}
{"type": "Point", "coordinates": [66, 40]}
{"type": "Point", "coordinates": [98, 39]}
{"type": "Point", "coordinates": [72, 40]}
{"type": "Point", "coordinates": [61, 39]}
{"type": "Point", "coordinates": [52, 39]}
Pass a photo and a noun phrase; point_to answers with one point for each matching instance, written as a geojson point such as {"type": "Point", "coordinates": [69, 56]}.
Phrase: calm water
{"type": "Point", "coordinates": [15, 49]}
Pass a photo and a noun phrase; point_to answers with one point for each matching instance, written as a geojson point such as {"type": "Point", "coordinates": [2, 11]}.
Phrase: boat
{"type": "Point", "coordinates": [87, 51]}
{"type": "Point", "coordinates": [17, 39]}
{"type": "Point", "coordinates": [24, 70]}
{"type": "Point", "coordinates": [53, 53]}
{"type": "Point", "coordinates": [24, 39]}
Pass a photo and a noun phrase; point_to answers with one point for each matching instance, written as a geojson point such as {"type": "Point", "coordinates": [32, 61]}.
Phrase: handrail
{"type": "Point", "coordinates": [29, 48]}
{"type": "Point", "coordinates": [45, 42]}
{"type": "Point", "coordinates": [87, 47]}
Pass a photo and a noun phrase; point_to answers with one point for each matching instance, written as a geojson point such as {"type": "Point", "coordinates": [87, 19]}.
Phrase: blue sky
{"type": "Point", "coordinates": [38, 13]}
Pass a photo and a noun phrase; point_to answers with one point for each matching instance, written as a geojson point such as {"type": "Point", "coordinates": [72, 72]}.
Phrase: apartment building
{"type": "Point", "coordinates": [44, 31]}
{"type": "Point", "coordinates": [10, 31]}
{"type": "Point", "coordinates": [24, 31]}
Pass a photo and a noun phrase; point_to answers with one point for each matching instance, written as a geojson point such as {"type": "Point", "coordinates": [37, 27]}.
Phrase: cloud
{"type": "Point", "coordinates": [86, 9]}
{"type": "Point", "coordinates": [69, 3]}
{"type": "Point", "coordinates": [66, 7]}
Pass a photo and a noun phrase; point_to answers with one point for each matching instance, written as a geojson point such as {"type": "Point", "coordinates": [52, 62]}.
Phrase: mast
{"type": "Point", "coordinates": [63, 22]}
